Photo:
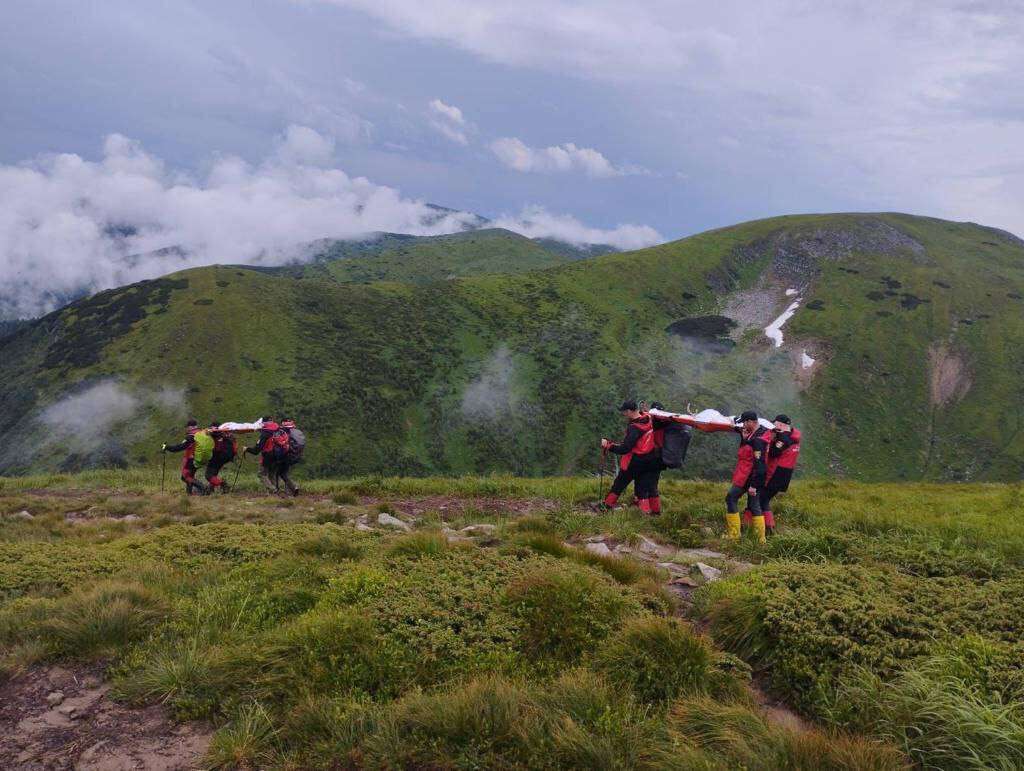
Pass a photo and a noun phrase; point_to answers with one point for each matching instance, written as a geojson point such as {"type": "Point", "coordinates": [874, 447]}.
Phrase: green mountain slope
{"type": "Point", "coordinates": [915, 326]}
{"type": "Point", "coordinates": [421, 259]}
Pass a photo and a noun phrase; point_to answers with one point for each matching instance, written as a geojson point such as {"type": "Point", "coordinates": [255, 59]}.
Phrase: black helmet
{"type": "Point", "coordinates": [748, 415]}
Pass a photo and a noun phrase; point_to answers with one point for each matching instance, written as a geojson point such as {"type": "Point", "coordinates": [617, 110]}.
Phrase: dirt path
{"type": "Point", "coordinates": [57, 718]}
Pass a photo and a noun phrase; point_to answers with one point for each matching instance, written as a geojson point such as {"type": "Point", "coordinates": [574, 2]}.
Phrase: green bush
{"type": "Point", "coordinates": [744, 738]}
{"type": "Point", "coordinates": [942, 712]}
{"type": "Point", "coordinates": [564, 612]}
{"type": "Point", "coordinates": [425, 543]}
{"type": "Point", "coordinates": [659, 659]}
{"type": "Point", "coordinates": [332, 546]}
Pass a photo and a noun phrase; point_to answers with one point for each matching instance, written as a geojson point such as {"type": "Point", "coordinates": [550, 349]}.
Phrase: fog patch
{"type": "Point", "coordinates": [490, 395]}
{"type": "Point", "coordinates": [92, 421]}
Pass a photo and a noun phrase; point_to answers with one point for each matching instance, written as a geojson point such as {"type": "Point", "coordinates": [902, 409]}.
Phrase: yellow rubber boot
{"type": "Point", "coordinates": [758, 523]}
{"type": "Point", "coordinates": [732, 527]}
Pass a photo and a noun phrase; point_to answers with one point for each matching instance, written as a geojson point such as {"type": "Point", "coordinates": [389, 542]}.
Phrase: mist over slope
{"type": "Point", "coordinates": [903, 357]}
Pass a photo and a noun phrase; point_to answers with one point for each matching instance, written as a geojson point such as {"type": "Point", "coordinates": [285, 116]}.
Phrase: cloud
{"type": "Point", "coordinates": [517, 155]}
{"type": "Point", "coordinates": [537, 222]}
{"type": "Point", "coordinates": [89, 421]}
{"type": "Point", "coordinates": [491, 394]}
{"type": "Point", "coordinates": [449, 121]}
{"type": "Point", "coordinates": [70, 225]}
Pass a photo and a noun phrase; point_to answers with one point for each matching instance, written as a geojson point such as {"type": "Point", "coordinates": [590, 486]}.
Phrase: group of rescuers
{"type": "Point", "coordinates": [278, 447]}
{"type": "Point", "coordinates": [764, 467]}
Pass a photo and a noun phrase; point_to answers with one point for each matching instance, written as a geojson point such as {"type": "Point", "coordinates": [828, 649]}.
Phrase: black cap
{"type": "Point", "coordinates": [629, 404]}
{"type": "Point", "coordinates": [657, 406]}
{"type": "Point", "coordinates": [192, 422]}
{"type": "Point", "coordinates": [783, 419]}
{"type": "Point", "coordinates": [748, 415]}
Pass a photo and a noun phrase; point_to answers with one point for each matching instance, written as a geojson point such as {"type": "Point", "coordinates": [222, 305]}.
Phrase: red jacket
{"type": "Point", "coordinates": [639, 441]}
{"type": "Point", "coordinates": [751, 469]}
{"type": "Point", "coordinates": [784, 451]}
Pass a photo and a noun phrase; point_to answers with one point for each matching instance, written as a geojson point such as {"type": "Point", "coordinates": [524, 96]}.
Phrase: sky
{"type": "Point", "coordinates": [238, 129]}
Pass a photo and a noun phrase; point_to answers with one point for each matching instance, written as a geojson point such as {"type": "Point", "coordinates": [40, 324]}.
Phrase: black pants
{"type": "Point", "coordinates": [282, 473]}
{"type": "Point", "coordinates": [778, 483]}
{"type": "Point", "coordinates": [623, 479]}
{"type": "Point", "coordinates": [645, 473]}
{"type": "Point", "coordinates": [732, 499]}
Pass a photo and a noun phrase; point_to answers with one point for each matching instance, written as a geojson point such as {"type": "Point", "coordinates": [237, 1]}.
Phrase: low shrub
{"type": "Point", "coordinates": [332, 546]}
{"type": "Point", "coordinates": [345, 498]}
{"type": "Point", "coordinates": [564, 612]}
{"type": "Point", "coordinates": [744, 738]}
{"type": "Point", "coordinates": [100, 620]}
{"type": "Point", "coordinates": [659, 659]}
{"type": "Point", "coordinates": [425, 543]}
{"type": "Point", "coordinates": [938, 711]}
{"type": "Point", "coordinates": [249, 741]}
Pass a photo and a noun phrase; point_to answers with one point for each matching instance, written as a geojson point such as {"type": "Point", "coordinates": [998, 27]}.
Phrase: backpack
{"type": "Point", "coordinates": [226, 447]}
{"type": "Point", "coordinates": [296, 445]}
{"type": "Point", "coordinates": [204, 448]}
{"type": "Point", "coordinates": [279, 444]}
{"type": "Point", "coordinates": [675, 444]}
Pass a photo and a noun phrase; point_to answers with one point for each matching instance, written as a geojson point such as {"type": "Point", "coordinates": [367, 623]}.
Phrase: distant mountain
{"type": "Point", "coordinates": [389, 256]}
{"type": "Point", "coordinates": [895, 342]}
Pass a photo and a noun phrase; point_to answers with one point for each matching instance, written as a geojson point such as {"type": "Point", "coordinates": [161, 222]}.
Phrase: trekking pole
{"type": "Point", "coordinates": [163, 468]}
{"type": "Point", "coordinates": [600, 497]}
{"type": "Point", "coordinates": [238, 467]}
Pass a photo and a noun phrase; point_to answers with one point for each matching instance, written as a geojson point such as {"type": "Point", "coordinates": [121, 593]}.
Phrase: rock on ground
{"type": "Point", "coordinates": [387, 520]}
{"type": "Point", "coordinates": [86, 729]}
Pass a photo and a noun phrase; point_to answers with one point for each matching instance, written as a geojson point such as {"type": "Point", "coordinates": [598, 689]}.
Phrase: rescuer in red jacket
{"type": "Point", "coordinates": [188, 463]}
{"type": "Point", "coordinates": [782, 457]}
{"type": "Point", "coordinates": [748, 477]}
{"type": "Point", "coordinates": [639, 462]}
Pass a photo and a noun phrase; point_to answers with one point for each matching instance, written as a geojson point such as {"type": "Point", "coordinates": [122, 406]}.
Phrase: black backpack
{"type": "Point", "coordinates": [296, 445]}
{"type": "Point", "coordinates": [674, 445]}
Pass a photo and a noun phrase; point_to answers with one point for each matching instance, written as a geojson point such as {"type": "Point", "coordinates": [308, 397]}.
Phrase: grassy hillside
{"type": "Point", "coordinates": [307, 634]}
{"type": "Point", "coordinates": [422, 259]}
{"type": "Point", "coordinates": [915, 325]}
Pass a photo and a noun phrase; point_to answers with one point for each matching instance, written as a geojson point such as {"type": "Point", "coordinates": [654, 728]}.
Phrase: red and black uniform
{"type": "Point", "coordinates": [750, 471]}
{"type": "Point", "coordinates": [264, 447]}
{"type": "Point", "coordinates": [188, 461]}
{"type": "Point", "coordinates": [639, 462]}
{"type": "Point", "coordinates": [782, 457]}
{"type": "Point", "coordinates": [224, 450]}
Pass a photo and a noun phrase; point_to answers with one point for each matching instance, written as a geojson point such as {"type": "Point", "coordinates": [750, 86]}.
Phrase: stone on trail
{"type": "Point", "coordinates": [55, 698]}
{"type": "Point", "coordinates": [22, 515]}
{"type": "Point", "coordinates": [365, 528]}
{"type": "Point", "coordinates": [674, 569]}
{"type": "Point", "coordinates": [698, 554]}
{"type": "Point", "coordinates": [600, 548]}
{"type": "Point", "coordinates": [705, 572]}
{"type": "Point", "coordinates": [481, 529]}
{"type": "Point", "coordinates": [389, 521]}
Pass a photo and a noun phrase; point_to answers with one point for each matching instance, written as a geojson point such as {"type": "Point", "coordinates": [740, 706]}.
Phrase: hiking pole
{"type": "Point", "coordinates": [163, 468]}
{"type": "Point", "coordinates": [238, 467]}
{"type": "Point", "coordinates": [600, 497]}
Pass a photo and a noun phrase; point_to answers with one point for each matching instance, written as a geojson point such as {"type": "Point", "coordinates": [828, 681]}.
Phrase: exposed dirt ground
{"type": "Point", "coordinates": [85, 729]}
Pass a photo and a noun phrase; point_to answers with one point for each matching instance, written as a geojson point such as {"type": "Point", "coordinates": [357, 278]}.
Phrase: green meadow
{"type": "Point", "coordinates": [887, 616]}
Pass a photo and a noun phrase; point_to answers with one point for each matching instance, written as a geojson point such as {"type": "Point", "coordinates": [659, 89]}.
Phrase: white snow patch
{"type": "Point", "coordinates": [806, 361]}
{"type": "Point", "coordinates": [790, 292]}
{"type": "Point", "coordinates": [774, 330]}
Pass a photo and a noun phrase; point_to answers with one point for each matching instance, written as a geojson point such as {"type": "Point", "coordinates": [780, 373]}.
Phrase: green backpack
{"type": "Point", "coordinates": [204, 448]}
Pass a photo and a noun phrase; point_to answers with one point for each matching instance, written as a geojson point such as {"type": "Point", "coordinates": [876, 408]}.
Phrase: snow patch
{"type": "Point", "coordinates": [806, 361]}
{"type": "Point", "coordinates": [774, 330]}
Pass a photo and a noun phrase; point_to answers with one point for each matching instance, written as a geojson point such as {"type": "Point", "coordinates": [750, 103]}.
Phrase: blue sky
{"type": "Point", "coordinates": [598, 120]}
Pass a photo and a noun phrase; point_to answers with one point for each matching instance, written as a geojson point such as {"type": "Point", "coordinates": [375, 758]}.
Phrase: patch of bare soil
{"type": "Point", "coordinates": [56, 718]}
{"type": "Point", "coordinates": [452, 508]}
{"type": "Point", "coordinates": [950, 376]}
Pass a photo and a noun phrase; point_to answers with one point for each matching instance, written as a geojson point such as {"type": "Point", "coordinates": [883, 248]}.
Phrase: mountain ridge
{"type": "Point", "coordinates": [913, 325]}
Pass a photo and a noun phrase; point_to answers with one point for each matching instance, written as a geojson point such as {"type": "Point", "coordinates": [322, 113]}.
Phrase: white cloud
{"type": "Point", "coordinates": [450, 112]}
{"type": "Point", "coordinates": [449, 121]}
{"type": "Point", "coordinates": [537, 222]}
{"type": "Point", "coordinates": [70, 225]}
{"type": "Point", "coordinates": [517, 155]}
{"type": "Point", "coordinates": [910, 104]}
